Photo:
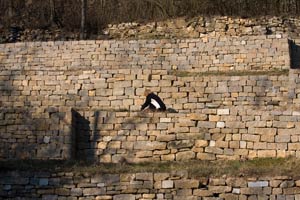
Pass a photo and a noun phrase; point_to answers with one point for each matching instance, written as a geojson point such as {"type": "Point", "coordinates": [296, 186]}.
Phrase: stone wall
{"type": "Point", "coordinates": [133, 186]}
{"type": "Point", "coordinates": [30, 133]}
{"type": "Point", "coordinates": [220, 53]}
{"type": "Point", "coordinates": [203, 26]}
{"type": "Point", "coordinates": [41, 82]}
{"type": "Point", "coordinates": [239, 132]}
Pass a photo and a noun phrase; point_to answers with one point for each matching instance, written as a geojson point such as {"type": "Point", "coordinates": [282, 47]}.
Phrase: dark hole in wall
{"type": "Point", "coordinates": [294, 54]}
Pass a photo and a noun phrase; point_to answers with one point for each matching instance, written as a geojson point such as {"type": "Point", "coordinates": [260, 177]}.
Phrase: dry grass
{"type": "Point", "coordinates": [249, 168]}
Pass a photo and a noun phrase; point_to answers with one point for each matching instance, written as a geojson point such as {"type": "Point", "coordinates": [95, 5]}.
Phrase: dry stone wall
{"type": "Point", "coordinates": [41, 82]}
{"type": "Point", "coordinates": [221, 53]}
{"type": "Point", "coordinates": [30, 133]}
{"type": "Point", "coordinates": [202, 26]}
{"type": "Point", "coordinates": [240, 132]}
{"type": "Point", "coordinates": [134, 186]}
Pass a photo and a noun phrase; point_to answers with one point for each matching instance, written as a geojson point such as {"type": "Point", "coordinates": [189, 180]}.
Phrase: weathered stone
{"type": "Point", "coordinates": [222, 111]}
{"type": "Point", "coordinates": [93, 191]}
{"type": "Point", "coordinates": [185, 184]}
{"type": "Point", "coordinates": [185, 155]}
{"type": "Point", "coordinates": [124, 197]}
{"type": "Point", "coordinates": [149, 145]}
{"type": "Point", "coordinates": [258, 184]}
{"type": "Point", "coordinates": [43, 181]}
{"type": "Point", "coordinates": [77, 192]}
{"type": "Point", "coordinates": [167, 184]}
{"type": "Point", "coordinates": [179, 144]}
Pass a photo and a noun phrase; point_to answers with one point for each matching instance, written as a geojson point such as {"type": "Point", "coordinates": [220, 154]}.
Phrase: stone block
{"type": "Point", "coordinates": [266, 153]}
{"type": "Point", "coordinates": [186, 184]}
{"type": "Point", "coordinates": [165, 138]}
{"type": "Point", "coordinates": [76, 192]}
{"type": "Point", "coordinates": [185, 155]}
{"type": "Point", "coordinates": [198, 116]}
{"type": "Point", "coordinates": [223, 111]}
{"type": "Point", "coordinates": [252, 191]}
{"type": "Point", "coordinates": [124, 197]}
{"type": "Point", "coordinates": [221, 124]}
{"type": "Point", "coordinates": [104, 197]}
{"type": "Point", "coordinates": [201, 143]}
{"type": "Point", "coordinates": [282, 138]}
{"type": "Point", "coordinates": [144, 154]}
{"type": "Point", "coordinates": [93, 191]}
{"type": "Point", "coordinates": [258, 184]}
{"type": "Point", "coordinates": [50, 197]}
{"type": "Point", "coordinates": [144, 176]}
{"type": "Point", "coordinates": [206, 156]}
{"type": "Point", "coordinates": [43, 182]}
{"type": "Point", "coordinates": [149, 145]}
{"type": "Point", "coordinates": [168, 157]}
{"type": "Point", "coordinates": [179, 144]}
{"type": "Point", "coordinates": [219, 189]}
{"type": "Point", "coordinates": [167, 184]}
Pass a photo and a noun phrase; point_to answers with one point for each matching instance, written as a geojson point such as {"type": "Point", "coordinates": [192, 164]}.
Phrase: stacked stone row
{"type": "Point", "coordinates": [213, 134]}
{"type": "Point", "coordinates": [142, 186]}
{"type": "Point", "coordinates": [219, 53]}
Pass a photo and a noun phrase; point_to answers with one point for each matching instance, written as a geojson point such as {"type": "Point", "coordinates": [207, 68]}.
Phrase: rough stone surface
{"type": "Point", "coordinates": [132, 186]}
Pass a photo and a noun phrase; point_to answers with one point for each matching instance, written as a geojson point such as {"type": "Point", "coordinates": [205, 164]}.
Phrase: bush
{"type": "Point", "coordinates": [67, 13]}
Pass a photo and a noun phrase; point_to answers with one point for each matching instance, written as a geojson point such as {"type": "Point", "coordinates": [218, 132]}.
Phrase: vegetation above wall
{"type": "Point", "coordinates": [67, 13]}
{"type": "Point", "coordinates": [62, 19]}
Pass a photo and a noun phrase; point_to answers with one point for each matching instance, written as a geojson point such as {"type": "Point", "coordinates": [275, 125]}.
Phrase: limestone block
{"type": "Point", "coordinates": [250, 137]}
{"type": "Point", "coordinates": [201, 143]}
{"type": "Point", "coordinates": [124, 197]}
{"type": "Point", "coordinates": [165, 138]}
{"type": "Point", "coordinates": [266, 153]}
{"type": "Point", "coordinates": [144, 176]}
{"type": "Point", "coordinates": [186, 184]}
{"type": "Point", "coordinates": [219, 189]}
{"type": "Point", "coordinates": [197, 116]}
{"type": "Point", "coordinates": [221, 124]}
{"type": "Point", "coordinates": [179, 144]}
{"type": "Point", "coordinates": [206, 124]}
{"type": "Point", "coordinates": [206, 156]}
{"type": "Point", "coordinates": [76, 192]}
{"type": "Point", "coordinates": [167, 184]}
{"type": "Point", "coordinates": [282, 138]}
{"type": "Point", "coordinates": [165, 120]}
{"type": "Point", "coordinates": [50, 197]}
{"type": "Point", "coordinates": [104, 197]}
{"type": "Point", "coordinates": [223, 111]}
{"type": "Point", "coordinates": [293, 146]}
{"type": "Point", "coordinates": [168, 157]}
{"type": "Point", "coordinates": [144, 154]}
{"type": "Point", "coordinates": [185, 155]}
{"type": "Point", "coordinates": [105, 158]}
{"type": "Point", "coordinates": [93, 191]}
{"type": "Point", "coordinates": [203, 193]}
{"type": "Point", "coordinates": [149, 145]}
{"type": "Point", "coordinates": [43, 182]}
{"type": "Point", "coordinates": [258, 184]}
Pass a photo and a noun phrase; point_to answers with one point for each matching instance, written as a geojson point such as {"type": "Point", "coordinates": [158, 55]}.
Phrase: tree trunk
{"type": "Point", "coordinates": [52, 12]}
{"type": "Point", "coordinates": [10, 9]}
{"type": "Point", "coordinates": [83, 19]}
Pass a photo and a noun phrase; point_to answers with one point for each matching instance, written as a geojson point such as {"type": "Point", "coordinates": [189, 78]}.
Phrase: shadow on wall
{"type": "Point", "coordinates": [101, 129]}
{"type": "Point", "coordinates": [26, 130]}
{"type": "Point", "coordinates": [294, 54]}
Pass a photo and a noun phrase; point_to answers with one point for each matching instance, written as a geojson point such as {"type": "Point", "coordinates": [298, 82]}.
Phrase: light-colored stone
{"type": "Point", "coordinates": [166, 184]}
